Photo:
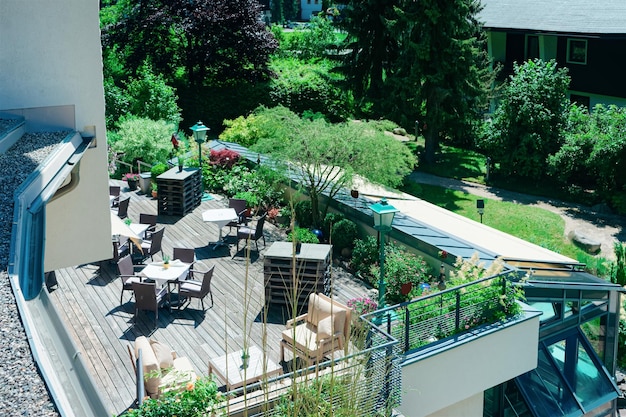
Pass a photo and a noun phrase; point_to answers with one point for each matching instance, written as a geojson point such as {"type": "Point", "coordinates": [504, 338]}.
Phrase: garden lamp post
{"type": "Point", "coordinates": [480, 206]}
{"type": "Point", "coordinates": [199, 135]}
{"type": "Point", "coordinates": [383, 218]}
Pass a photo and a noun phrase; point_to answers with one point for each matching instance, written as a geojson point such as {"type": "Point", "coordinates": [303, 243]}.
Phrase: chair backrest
{"type": "Point", "coordinates": [258, 231]}
{"type": "Point", "coordinates": [238, 204]}
{"type": "Point", "coordinates": [145, 218]}
{"type": "Point", "coordinates": [125, 266]}
{"type": "Point", "coordinates": [186, 255]}
{"type": "Point", "coordinates": [114, 190]}
{"type": "Point", "coordinates": [206, 281]}
{"type": "Point", "coordinates": [122, 210]}
{"type": "Point", "coordinates": [145, 296]}
{"type": "Point", "coordinates": [155, 243]}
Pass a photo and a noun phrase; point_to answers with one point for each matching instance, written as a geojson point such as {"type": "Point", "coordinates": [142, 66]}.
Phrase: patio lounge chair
{"type": "Point", "coordinates": [162, 369]}
{"type": "Point", "coordinates": [324, 329]}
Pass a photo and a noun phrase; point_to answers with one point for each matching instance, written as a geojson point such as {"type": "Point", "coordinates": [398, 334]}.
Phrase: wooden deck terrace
{"type": "Point", "coordinates": [87, 297]}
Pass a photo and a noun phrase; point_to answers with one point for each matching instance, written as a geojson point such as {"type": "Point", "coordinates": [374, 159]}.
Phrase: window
{"type": "Point", "coordinates": [532, 47]}
{"type": "Point", "coordinates": [576, 51]}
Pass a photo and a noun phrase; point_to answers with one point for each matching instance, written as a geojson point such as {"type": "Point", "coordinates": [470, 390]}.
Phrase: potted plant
{"type": "Point", "coordinates": [166, 261]}
{"type": "Point", "coordinates": [155, 187]}
{"type": "Point", "coordinates": [181, 162]}
{"type": "Point", "coordinates": [132, 180]}
{"type": "Point", "coordinates": [245, 358]}
{"type": "Point", "coordinates": [157, 170]}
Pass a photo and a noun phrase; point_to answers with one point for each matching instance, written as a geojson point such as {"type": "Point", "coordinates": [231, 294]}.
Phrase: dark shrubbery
{"type": "Point", "coordinates": [343, 234]}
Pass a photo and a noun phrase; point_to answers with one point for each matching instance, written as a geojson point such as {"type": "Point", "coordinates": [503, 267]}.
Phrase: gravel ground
{"type": "Point", "coordinates": [23, 391]}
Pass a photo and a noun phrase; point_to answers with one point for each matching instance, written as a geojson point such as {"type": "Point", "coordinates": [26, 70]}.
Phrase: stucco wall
{"type": "Point", "coordinates": [50, 56]}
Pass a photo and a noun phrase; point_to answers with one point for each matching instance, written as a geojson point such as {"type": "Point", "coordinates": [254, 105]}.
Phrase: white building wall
{"type": "Point", "coordinates": [457, 376]}
{"type": "Point", "coordinates": [50, 55]}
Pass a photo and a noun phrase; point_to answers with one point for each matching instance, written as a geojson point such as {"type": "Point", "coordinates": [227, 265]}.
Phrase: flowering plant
{"type": "Point", "coordinates": [362, 305]}
{"type": "Point", "coordinates": [131, 176]}
{"type": "Point", "coordinates": [443, 254]}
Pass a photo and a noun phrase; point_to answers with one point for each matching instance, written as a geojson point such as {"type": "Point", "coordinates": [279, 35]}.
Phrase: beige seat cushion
{"type": "Point", "coordinates": [163, 354]}
{"type": "Point", "coordinates": [305, 337]}
{"type": "Point", "coordinates": [150, 364]}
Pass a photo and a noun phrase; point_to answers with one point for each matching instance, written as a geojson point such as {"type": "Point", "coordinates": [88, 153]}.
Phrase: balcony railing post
{"type": "Point", "coordinates": [407, 324]}
{"type": "Point", "coordinates": [457, 316]}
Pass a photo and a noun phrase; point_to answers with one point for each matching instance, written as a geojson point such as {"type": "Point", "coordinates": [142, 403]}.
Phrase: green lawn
{"type": "Point", "coordinates": [533, 224]}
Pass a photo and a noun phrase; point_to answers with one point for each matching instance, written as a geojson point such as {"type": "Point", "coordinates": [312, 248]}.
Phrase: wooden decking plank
{"type": "Point", "coordinates": [88, 300]}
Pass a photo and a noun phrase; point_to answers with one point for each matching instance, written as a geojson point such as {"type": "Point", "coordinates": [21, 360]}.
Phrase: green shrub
{"type": "Point", "coordinates": [304, 213]}
{"type": "Point", "coordinates": [343, 234]}
{"type": "Point", "coordinates": [143, 139]}
{"type": "Point", "coordinates": [251, 199]}
{"type": "Point", "coordinates": [329, 221]}
{"type": "Point", "coordinates": [157, 170]}
{"type": "Point", "coordinates": [302, 235]}
{"type": "Point", "coordinates": [364, 255]}
{"type": "Point", "coordinates": [401, 267]}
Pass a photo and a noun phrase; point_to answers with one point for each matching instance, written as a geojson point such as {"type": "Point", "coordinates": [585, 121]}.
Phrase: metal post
{"type": "Point", "coordinates": [381, 281]}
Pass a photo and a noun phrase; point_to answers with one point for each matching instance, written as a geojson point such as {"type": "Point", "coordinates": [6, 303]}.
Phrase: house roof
{"type": "Point", "coordinates": [607, 17]}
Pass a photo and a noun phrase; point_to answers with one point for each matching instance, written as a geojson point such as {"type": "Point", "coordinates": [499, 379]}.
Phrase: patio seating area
{"type": "Point", "coordinates": [88, 299]}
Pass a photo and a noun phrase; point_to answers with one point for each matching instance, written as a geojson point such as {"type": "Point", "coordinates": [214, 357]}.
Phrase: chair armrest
{"type": "Point", "coordinates": [295, 321]}
{"type": "Point", "coordinates": [132, 276]}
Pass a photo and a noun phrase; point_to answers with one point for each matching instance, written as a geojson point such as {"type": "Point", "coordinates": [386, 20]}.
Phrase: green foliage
{"type": "Point", "coordinates": [309, 86]}
{"type": "Point", "coordinates": [310, 42]}
{"type": "Point", "coordinates": [242, 130]}
{"type": "Point", "coordinates": [343, 234]}
{"type": "Point", "coordinates": [364, 255]}
{"type": "Point", "coordinates": [401, 267]}
{"type": "Point", "coordinates": [198, 399]}
{"type": "Point", "coordinates": [251, 199]}
{"type": "Point", "coordinates": [323, 157]}
{"type": "Point", "coordinates": [618, 274]}
{"type": "Point", "coordinates": [157, 170]}
{"type": "Point", "coordinates": [304, 213]}
{"type": "Point", "coordinates": [329, 220]}
{"type": "Point", "coordinates": [302, 235]}
{"type": "Point", "coordinates": [143, 139]}
{"type": "Point", "coordinates": [529, 124]}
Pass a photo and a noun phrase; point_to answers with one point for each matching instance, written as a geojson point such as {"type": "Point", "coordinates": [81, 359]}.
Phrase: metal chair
{"type": "Point", "coordinates": [250, 234]}
{"type": "Point", "coordinates": [148, 297]}
{"type": "Point", "coordinates": [152, 246]}
{"type": "Point", "coordinates": [195, 289]}
{"type": "Point", "coordinates": [149, 219]}
{"type": "Point", "coordinates": [240, 208]}
{"type": "Point", "coordinates": [127, 273]}
{"type": "Point", "coordinates": [122, 208]}
{"type": "Point", "coordinates": [186, 255]}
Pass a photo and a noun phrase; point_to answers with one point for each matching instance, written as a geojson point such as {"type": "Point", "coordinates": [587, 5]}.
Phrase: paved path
{"type": "Point", "coordinates": [606, 228]}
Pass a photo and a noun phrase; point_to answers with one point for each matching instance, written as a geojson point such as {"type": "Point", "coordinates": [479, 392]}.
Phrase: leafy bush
{"type": "Point", "coordinates": [401, 267]}
{"type": "Point", "coordinates": [302, 235]}
{"type": "Point", "coordinates": [224, 158]}
{"type": "Point", "coordinates": [329, 221]}
{"type": "Point", "coordinates": [143, 139]}
{"type": "Point", "coordinates": [251, 199]}
{"type": "Point", "coordinates": [343, 234]}
{"type": "Point", "coordinates": [364, 255]}
{"type": "Point", "coordinates": [198, 399]}
{"type": "Point", "coordinates": [304, 213]}
{"type": "Point", "coordinates": [157, 170]}
{"type": "Point", "coordinates": [529, 124]}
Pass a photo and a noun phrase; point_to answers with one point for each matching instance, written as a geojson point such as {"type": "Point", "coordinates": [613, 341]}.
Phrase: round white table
{"type": "Point", "coordinates": [220, 217]}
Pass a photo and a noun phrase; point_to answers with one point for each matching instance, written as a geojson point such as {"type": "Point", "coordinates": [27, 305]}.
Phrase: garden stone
{"type": "Point", "coordinates": [582, 240]}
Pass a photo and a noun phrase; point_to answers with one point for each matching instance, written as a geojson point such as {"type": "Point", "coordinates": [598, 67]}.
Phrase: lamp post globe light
{"type": "Point", "coordinates": [199, 135]}
{"type": "Point", "coordinates": [383, 218]}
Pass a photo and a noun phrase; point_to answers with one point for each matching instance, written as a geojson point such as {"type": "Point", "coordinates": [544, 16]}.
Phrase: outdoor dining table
{"type": "Point", "coordinates": [220, 217]}
{"type": "Point", "coordinates": [139, 229]}
{"type": "Point", "coordinates": [162, 276]}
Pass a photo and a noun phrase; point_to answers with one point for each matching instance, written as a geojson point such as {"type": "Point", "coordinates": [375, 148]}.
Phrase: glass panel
{"type": "Point", "coordinates": [590, 384]}
{"type": "Point", "coordinates": [546, 391]}
{"type": "Point", "coordinates": [547, 309]}
{"type": "Point", "coordinates": [595, 331]}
